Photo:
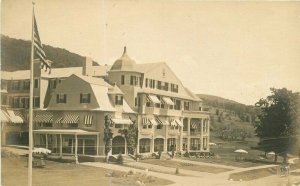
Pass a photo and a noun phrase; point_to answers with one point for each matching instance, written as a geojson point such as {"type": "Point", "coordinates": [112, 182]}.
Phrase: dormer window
{"type": "Point", "coordinates": [119, 100]}
{"type": "Point", "coordinates": [61, 98]}
{"type": "Point", "coordinates": [85, 98]}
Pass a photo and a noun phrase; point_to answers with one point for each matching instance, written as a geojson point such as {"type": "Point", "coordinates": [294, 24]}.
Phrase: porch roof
{"type": "Point", "coordinates": [65, 131]}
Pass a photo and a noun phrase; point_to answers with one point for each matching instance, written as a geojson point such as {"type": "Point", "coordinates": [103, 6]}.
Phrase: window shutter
{"type": "Point", "coordinates": [89, 98]}
{"type": "Point", "coordinates": [65, 98]}
{"type": "Point", "coordinates": [80, 98]}
{"type": "Point", "coordinates": [57, 98]}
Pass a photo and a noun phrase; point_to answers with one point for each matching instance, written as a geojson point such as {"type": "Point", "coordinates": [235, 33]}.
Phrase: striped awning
{"type": "Point", "coordinates": [88, 120]}
{"type": "Point", "coordinates": [172, 122]}
{"type": "Point", "coordinates": [121, 121]}
{"type": "Point", "coordinates": [70, 118]}
{"type": "Point", "coordinates": [153, 98]}
{"type": "Point", "coordinates": [145, 121]}
{"type": "Point", "coordinates": [175, 122]}
{"type": "Point", "coordinates": [168, 101]}
{"type": "Point", "coordinates": [43, 118]}
{"type": "Point", "coordinates": [4, 116]}
{"type": "Point", "coordinates": [179, 123]}
{"type": "Point", "coordinates": [195, 124]}
{"type": "Point", "coordinates": [14, 118]}
{"type": "Point", "coordinates": [152, 121]}
{"type": "Point", "coordinates": [159, 122]}
{"type": "Point", "coordinates": [59, 119]}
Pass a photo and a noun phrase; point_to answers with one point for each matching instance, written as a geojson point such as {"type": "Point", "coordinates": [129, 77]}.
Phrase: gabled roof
{"type": "Point", "coordinates": [93, 80]}
{"type": "Point", "coordinates": [55, 73]}
{"type": "Point", "coordinates": [145, 67]}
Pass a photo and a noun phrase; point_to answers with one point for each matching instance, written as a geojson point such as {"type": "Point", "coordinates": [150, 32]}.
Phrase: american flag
{"type": "Point", "coordinates": [38, 48]}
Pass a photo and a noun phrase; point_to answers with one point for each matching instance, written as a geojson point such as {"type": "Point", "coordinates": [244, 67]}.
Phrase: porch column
{"type": "Point", "coordinates": [76, 146]}
{"type": "Point", "coordinates": [56, 143]}
{"type": "Point", "coordinates": [180, 139]}
{"type": "Point", "coordinates": [152, 144]}
{"type": "Point", "coordinates": [83, 146]}
{"type": "Point", "coordinates": [202, 123]}
{"type": "Point", "coordinates": [125, 146]}
{"type": "Point", "coordinates": [166, 139]}
{"type": "Point", "coordinates": [97, 145]}
{"type": "Point", "coordinates": [60, 147]}
{"type": "Point", "coordinates": [46, 141]}
{"type": "Point", "coordinates": [189, 135]}
{"type": "Point", "coordinates": [138, 136]}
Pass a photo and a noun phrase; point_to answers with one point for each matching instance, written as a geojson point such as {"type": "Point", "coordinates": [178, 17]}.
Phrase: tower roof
{"type": "Point", "coordinates": [124, 63]}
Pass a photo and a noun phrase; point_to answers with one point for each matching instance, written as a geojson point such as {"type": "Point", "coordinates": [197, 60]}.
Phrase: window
{"type": "Point", "coordinates": [159, 85]}
{"type": "Point", "coordinates": [52, 83]}
{"type": "Point", "coordinates": [26, 85]}
{"type": "Point", "coordinates": [174, 88]}
{"type": "Point", "coordinates": [195, 144]}
{"type": "Point", "coordinates": [16, 102]}
{"type": "Point", "coordinates": [204, 143]}
{"type": "Point", "coordinates": [36, 83]}
{"type": "Point", "coordinates": [132, 80]}
{"type": "Point", "coordinates": [146, 82]}
{"type": "Point", "coordinates": [166, 87]}
{"type": "Point", "coordinates": [119, 100]}
{"type": "Point", "coordinates": [15, 85]}
{"type": "Point", "coordinates": [185, 124]}
{"type": "Point", "coordinates": [118, 126]}
{"type": "Point", "coordinates": [159, 126]}
{"type": "Point", "coordinates": [141, 82]}
{"type": "Point", "coordinates": [186, 105]}
{"type": "Point", "coordinates": [177, 105]}
{"type": "Point", "coordinates": [61, 98]}
{"type": "Point", "coordinates": [122, 80]}
{"type": "Point", "coordinates": [24, 102]}
{"type": "Point", "coordinates": [85, 98]}
{"type": "Point", "coordinates": [3, 99]}
{"type": "Point", "coordinates": [36, 102]}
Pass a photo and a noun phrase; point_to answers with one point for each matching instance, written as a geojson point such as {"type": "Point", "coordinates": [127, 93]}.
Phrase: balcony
{"type": "Point", "coordinates": [146, 131]}
{"type": "Point", "coordinates": [173, 132]}
{"type": "Point", "coordinates": [197, 133]}
{"type": "Point", "coordinates": [195, 113]}
{"type": "Point", "coordinates": [162, 111]}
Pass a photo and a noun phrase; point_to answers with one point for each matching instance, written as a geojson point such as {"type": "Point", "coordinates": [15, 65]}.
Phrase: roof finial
{"type": "Point", "coordinates": [124, 52]}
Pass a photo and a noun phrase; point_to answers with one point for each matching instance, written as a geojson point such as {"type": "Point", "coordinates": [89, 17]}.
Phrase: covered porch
{"type": "Point", "coordinates": [68, 142]}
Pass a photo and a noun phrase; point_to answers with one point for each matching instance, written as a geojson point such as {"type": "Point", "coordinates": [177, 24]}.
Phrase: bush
{"type": "Point", "coordinates": [120, 159]}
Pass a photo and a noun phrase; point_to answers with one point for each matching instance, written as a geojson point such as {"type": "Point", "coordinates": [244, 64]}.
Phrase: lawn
{"type": "Point", "coordinates": [14, 172]}
{"type": "Point", "coordinates": [186, 166]}
{"type": "Point", "coordinates": [253, 174]}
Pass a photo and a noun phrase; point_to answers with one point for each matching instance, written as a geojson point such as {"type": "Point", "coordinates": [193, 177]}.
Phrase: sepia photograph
{"type": "Point", "coordinates": [150, 93]}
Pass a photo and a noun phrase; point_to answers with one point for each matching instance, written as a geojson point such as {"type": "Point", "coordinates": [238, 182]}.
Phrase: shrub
{"type": "Point", "coordinates": [120, 159]}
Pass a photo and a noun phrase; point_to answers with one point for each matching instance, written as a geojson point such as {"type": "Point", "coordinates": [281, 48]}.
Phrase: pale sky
{"type": "Point", "coordinates": [236, 50]}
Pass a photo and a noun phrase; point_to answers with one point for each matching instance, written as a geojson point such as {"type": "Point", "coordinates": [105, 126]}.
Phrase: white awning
{"type": "Point", "coordinates": [161, 121]}
{"type": "Point", "coordinates": [122, 121]}
{"type": "Point", "coordinates": [43, 118]}
{"type": "Point", "coordinates": [88, 120]}
{"type": "Point", "coordinates": [154, 99]}
{"type": "Point", "coordinates": [145, 121]}
{"type": "Point", "coordinates": [14, 118]}
{"type": "Point", "coordinates": [179, 123]}
{"type": "Point", "coordinates": [173, 122]}
{"type": "Point", "coordinates": [70, 118]}
{"type": "Point", "coordinates": [4, 117]}
{"type": "Point", "coordinates": [168, 101]}
{"type": "Point", "coordinates": [153, 122]}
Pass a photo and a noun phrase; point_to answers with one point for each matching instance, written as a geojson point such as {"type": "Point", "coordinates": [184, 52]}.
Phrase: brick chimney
{"type": "Point", "coordinates": [87, 67]}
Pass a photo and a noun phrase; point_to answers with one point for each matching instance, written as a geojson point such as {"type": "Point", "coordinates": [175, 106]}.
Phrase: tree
{"type": "Point", "coordinates": [131, 135]}
{"type": "Point", "coordinates": [279, 124]}
{"type": "Point", "coordinates": [108, 135]}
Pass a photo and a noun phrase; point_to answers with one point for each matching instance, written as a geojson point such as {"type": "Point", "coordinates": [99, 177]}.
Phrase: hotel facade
{"type": "Point", "coordinates": [70, 106]}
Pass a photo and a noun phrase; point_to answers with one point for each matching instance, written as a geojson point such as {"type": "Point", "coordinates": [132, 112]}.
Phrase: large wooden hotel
{"type": "Point", "coordinates": [70, 106]}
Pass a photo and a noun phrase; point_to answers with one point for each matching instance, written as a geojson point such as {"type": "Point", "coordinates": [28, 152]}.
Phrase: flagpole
{"type": "Point", "coordinates": [31, 104]}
